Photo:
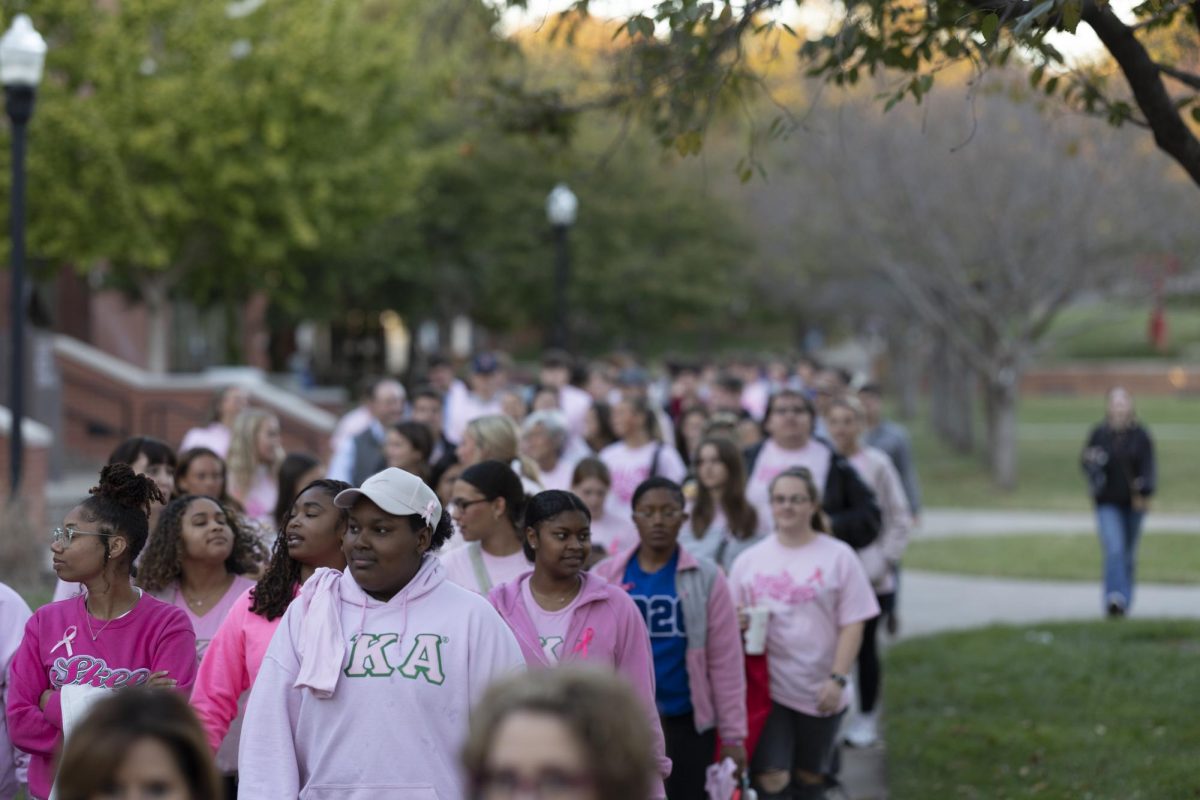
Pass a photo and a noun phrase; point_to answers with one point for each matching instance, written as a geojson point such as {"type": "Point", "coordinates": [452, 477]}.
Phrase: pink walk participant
{"type": "Point", "coordinates": [14, 613]}
{"type": "Point", "coordinates": [367, 687]}
{"type": "Point", "coordinates": [561, 614]}
{"type": "Point", "coordinates": [310, 538]}
{"type": "Point", "coordinates": [112, 636]}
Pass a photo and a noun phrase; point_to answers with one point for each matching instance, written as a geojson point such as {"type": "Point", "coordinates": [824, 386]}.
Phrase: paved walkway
{"type": "Point", "coordinates": [932, 602]}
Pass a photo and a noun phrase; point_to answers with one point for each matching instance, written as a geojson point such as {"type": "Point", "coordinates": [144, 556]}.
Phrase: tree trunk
{"type": "Point", "coordinates": [1001, 409]}
{"type": "Point", "coordinates": [154, 293]}
{"type": "Point", "coordinates": [904, 345]}
{"type": "Point", "coordinates": [960, 406]}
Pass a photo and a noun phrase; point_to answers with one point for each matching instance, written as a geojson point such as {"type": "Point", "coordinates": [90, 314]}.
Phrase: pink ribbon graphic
{"type": "Point", "coordinates": [582, 646]}
{"type": "Point", "coordinates": [68, 636]}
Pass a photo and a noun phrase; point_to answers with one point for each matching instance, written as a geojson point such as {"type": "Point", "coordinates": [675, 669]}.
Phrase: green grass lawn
{"type": "Point", "coordinates": [1114, 329]}
{"type": "Point", "coordinates": [1102, 710]}
{"type": "Point", "coordinates": [1162, 557]}
{"type": "Point", "coordinates": [1050, 436]}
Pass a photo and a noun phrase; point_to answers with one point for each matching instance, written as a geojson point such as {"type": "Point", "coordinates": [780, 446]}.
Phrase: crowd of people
{"type": "Point", "coordinates": [502, 586]}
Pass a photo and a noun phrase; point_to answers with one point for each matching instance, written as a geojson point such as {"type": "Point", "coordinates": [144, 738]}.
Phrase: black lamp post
{"type": "Point", "coordinates": [22, 55]}
{"type": "Point", "coordinates": [561, 207]}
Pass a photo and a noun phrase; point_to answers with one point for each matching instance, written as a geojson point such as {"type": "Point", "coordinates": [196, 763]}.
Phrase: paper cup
{"type": "Point", "coordinates": [756, 633]}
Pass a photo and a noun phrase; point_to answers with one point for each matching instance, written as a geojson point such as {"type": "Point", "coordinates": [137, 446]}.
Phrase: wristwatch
{"type": "Point", "coordinates": [840, 680]}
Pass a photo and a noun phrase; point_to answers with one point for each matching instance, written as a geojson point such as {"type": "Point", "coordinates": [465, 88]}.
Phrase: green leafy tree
{"type": "Point", "coordinates": [208, 150]}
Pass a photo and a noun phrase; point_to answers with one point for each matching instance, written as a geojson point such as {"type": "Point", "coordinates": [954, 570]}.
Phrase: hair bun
{"type": "Point", "coordinates": [120, 484]}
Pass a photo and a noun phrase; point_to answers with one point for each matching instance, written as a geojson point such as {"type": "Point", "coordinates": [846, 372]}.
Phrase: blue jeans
{"type": "Point", "coordinates": [1120, 529]}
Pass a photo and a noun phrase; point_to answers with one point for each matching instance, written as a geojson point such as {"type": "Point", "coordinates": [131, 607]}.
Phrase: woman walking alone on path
{"type": "Point", "coordinates": [367, 688]}
{"type": "Point", "coordinates": [722, 523]}
{"type": "Point", "coordinates": [487, 503]}
{"type": "Point", "coordinates": [818, 596]}
{"type": "Point", "coordinates": [561, 614]}
{"type": "Point", "coordinates": [1118, 460]}
{"type": "Point", "coordinates": [881, 558]}
{"type": "Point", "coordinates": [113, 635]}
{"type": "Point", "coordinates": [699, 678]}
{"type": "Point", "coordinates": [310, 538]}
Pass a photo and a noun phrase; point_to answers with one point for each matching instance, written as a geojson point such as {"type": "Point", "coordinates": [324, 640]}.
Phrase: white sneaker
{"type": "Point", "coordinates": [863, 732]}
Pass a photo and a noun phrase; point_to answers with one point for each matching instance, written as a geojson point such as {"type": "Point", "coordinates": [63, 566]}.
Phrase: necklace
{"type": "Point", "coordinates": [560, 601]}
{"type": "Point", "coordinates": [204, 598]}
{"type": "Point", "coordinates": [87, 616]}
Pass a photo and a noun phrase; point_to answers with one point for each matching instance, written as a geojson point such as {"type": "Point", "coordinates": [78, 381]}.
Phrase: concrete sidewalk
{"type": "Point", "coordinates": [940, 523]}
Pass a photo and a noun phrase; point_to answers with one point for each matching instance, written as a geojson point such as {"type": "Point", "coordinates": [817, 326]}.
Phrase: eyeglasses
{"type": "Point", "coordinates": [667, 514]}
{"type": "Point", "coordinates": [463, 505]}
{"type": "Point", "coordinates": [548, 785]}
{"type": "Point", "coordinates": [65, 536]}
{"type": "Point", "coordinates": [789, 410]}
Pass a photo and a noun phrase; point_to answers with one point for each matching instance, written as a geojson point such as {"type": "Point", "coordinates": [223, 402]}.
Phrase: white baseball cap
{"type": "Point", "coordinates": [396, 492]}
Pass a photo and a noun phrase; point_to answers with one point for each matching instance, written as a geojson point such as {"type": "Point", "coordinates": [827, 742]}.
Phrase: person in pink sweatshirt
{"type": "Point", "coordinates": [310, 538]}
{"type": "Point", "coordinates": [700, 680]}
{"type": "Point", "coordinates": [112, 636]}
{"type": "Point", "coordinates": [14, 613]}
{"type": "Point", "coordinates": [367, 688]}
{"type": "Point", "coordinates": [561, 614]}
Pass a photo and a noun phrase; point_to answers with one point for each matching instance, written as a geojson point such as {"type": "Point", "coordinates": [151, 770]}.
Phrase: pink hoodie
{"type": "Point", "coordinates": [230, 666]}
{"type": "Point", "coordinates": [363, 700]}
{"type": "Point", "coordinates": [606, 628]}
{"type": "Point", "coordinates": [64, 644]}
{"type": "Point", "coordinates": [715, 667]}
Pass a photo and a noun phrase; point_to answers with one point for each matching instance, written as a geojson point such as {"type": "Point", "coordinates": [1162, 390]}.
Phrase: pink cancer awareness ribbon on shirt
{"type": "Point", "coordinates": [68, 636]}
{"type": "Point", "coordinates": [582, 647]}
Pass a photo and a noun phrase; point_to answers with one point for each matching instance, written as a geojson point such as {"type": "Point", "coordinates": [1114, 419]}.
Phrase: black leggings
{"type": "Point", "coordinates": [870, 673]}
{"type": "Point", "coordinates": [690, 755]}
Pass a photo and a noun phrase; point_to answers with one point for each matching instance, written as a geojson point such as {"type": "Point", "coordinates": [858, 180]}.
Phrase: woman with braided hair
{"type": "Point", "coordinates": [114, 635]}
{"type": "Point", "coordinates": [309, 538]}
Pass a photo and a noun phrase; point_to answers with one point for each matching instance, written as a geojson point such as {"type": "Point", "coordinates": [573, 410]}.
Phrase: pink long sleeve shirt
{"type": "Point", "coordinates": [63, 644]}
{"type": "Point", "coordinates": [230, 667]}
{"type": "Point", "coordinates": [606, 628]}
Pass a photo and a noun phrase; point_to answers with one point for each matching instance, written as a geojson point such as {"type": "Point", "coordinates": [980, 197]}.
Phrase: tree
{"type": "Point", "coordinates": [205, 151]}
{"type": "Point", "coordinates": [687, 57]}
{"type": "Point", "coordinates": [984, 244]}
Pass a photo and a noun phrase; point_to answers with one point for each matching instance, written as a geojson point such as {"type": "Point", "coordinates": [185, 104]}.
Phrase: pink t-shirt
{"type": "Point", "coordinates": [560, 476]}
{"type": "Point", "coordinates": [813, 591]}
{"type": "Point", "coordinates": [630, 466]}
{"type": "Point", "coordinates": [613, 532]}
{"type": "Point", "coordinates": [206, 626]}
{"type": "Point", "coordinates": [460, 567]}
{"type": "Point", "coordinates": [772, 460]}
{"type": "Point", "coordinates": [551, 626]}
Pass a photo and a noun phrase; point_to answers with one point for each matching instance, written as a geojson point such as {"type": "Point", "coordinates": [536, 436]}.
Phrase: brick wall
{"type": "Point", "coordinates": [104, 402]}
{"type": "Point", "coordinates": [1140, 378]}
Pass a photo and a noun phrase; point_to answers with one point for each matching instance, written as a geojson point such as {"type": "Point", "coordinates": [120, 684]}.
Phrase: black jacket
{"type": "Point", "coordinates": [849, 503]}
{"type": "Point", "coordinates": [1119, 463]}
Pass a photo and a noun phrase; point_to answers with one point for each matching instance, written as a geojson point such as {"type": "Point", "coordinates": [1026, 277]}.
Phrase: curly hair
{"type": "Point", "coordinates": [163, 563]}
{"type": "Point", "coordinates": [276, 589]}
{"type": "Point", "coordinates": [121, 504]}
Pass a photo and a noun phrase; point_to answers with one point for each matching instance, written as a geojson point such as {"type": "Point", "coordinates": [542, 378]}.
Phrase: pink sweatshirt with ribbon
{"type": "Point", "coordinates": [63, 644]}
{"type": "Point", "coordinates": [606, 628]}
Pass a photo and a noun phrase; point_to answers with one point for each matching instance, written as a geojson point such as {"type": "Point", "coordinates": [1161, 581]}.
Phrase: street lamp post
{"type": "Point", "coordinates": [561, 207]}
{"type": "Point", "coordinates": [22, 55]}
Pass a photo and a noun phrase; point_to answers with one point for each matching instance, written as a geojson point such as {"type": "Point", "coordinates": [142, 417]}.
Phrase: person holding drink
{"type": "Point", "coordinates": [814, 596]}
